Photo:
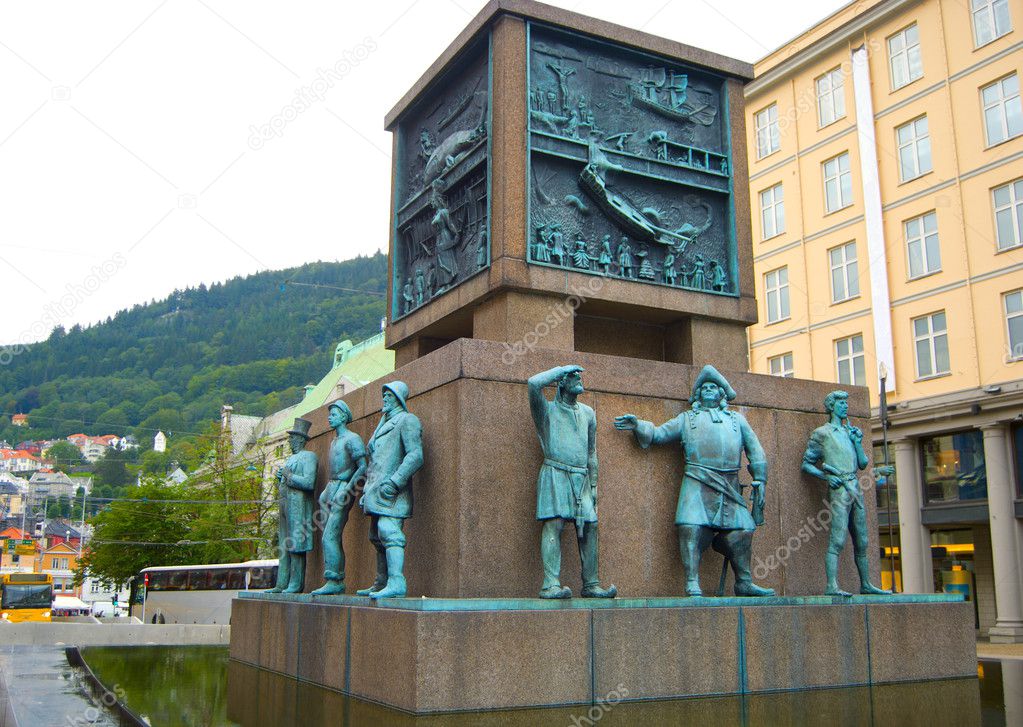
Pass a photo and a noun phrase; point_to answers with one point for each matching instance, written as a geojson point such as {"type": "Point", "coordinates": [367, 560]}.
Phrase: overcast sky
{"type": "Point", "coordinates": [130, 158]}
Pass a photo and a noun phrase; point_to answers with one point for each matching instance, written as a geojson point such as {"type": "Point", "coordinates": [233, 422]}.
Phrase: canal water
{"type": "Point", "coordinates": [200, 687]}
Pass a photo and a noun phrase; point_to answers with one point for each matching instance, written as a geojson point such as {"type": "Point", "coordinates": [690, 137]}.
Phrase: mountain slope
{"type": "Point", "coordinates": [170, 364]}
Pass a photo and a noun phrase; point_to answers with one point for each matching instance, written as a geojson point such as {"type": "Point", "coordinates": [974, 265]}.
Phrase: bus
{"type": "Point", "coordinates": [200, 594]}
{"type": "Point", "coordinates": [26, 597]}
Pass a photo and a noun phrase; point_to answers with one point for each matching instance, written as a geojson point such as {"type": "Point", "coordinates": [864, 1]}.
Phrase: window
{"type": "Point", "coordinates": [922, 244]}
{"type": "Point", "coordinates": [849, 361]}
{"type": "Point", "coordinates": [766, 124]}
{"type": "Point", "coordinates": [772, 211]}
{"type": "Point", "coordinates": [830, 97]}
{"type": "Point", "coordinates": [904, 56]}
{"type": "Point", "coordinates": [1014, 321]}
{"type": "Point", "coordinates": [1003, 114]}
{"type": "Point", "coordinates": [953, 467]}
{"type": "Point", "coordinates": [837, 183]}
{"type": "Point", "coordinates": [781, 365]}
{"type": "Point", "coordinates": [776, 286]}
{"type": "Point", "coordinates": [845, 280]}
{"type": "Point", "coordinates": [990, 20]}
{"type": "Point", "coordinates": [914, 149]}
{"type": "Point", "coordinates": [930, 338]}
{"type": "Point", "coordinates": [60, 563]}
{"type": "Point", "coordinates": [887, 493]}
{"type": "Point", "coordinates": [1008, 202]}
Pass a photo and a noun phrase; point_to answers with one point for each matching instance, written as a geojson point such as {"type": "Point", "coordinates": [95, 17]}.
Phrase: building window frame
{"type": "Point", "coordinates": [924, 239]}
{"type": "Point", "coordinates": [776, 295]}
{"type": "Point", "coordinates": [766, 131]}
{"type": "Point", "coordinates": [1013, 209]}
{"type": "Point", "coordinates": [914, 149]}
{"type": "Point", "coordinates": [1013, 314]}
{"type": "Point", "coordinates": [989, 8]}
{"type": "Point", "coordinates": [906, 56]}
{"type": "Point", "coordinates": [784, 367]}
{"type": "Point", "coordinates": [830, 96]}
{"type": "Point", "coordinates": [934, 337]}
{"type": "Point", "coordinates": [999, 109]}
{"type": "Point", "coordinates": [840, 179]}
{"type": "Point", "coordinates": [845, 273]}
{"type": "Point", "coordinates": [772, 209]}
{"type": "Point", "coordinates": [853, 357]}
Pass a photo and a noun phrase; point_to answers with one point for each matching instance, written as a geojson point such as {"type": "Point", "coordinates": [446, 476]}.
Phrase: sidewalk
{"type": "Point", "coordinates": [987, 650]}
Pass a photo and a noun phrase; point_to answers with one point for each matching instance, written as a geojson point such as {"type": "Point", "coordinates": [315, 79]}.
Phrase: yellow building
{"type": "Point", "coordinates": [60, 561]}
{"type": "Point", "coordinates": [886, 182]}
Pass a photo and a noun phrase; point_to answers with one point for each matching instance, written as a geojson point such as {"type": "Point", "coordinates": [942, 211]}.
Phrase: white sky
{"type": "Point", "coordinates": [126, 169]}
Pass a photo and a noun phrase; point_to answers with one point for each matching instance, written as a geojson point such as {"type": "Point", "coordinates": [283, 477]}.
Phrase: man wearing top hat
{"type": "Point", "coordinates": [346, 465]}
{"type": "Point", "coordinates": [396, 453]}
{"type": "Point", "coordinates": [296, 479]}
{"type": "Point", "coordinates": [711, 507]}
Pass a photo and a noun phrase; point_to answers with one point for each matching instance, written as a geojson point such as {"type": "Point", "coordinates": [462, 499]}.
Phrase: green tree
{"type": "Point", "coordinates": [64, 456]}
{"type": "Point", "coordinates": [110, 469]}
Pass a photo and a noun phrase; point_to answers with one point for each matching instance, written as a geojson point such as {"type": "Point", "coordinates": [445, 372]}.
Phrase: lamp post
{"type": "Point", "coordinates": [882, 372]}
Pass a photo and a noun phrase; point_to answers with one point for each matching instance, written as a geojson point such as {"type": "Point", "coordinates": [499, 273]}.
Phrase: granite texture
{"type": "Point", "coordinates": [465, 655]}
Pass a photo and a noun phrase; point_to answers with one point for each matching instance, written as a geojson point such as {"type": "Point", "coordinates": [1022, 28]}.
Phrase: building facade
{"type": "Point", "coordinates": [886, 179]}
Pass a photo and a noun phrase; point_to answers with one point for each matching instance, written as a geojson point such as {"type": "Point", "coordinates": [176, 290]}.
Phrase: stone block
{"type": "Point", "coordinates": [278, 641]}
{"type": "Point", "coordinates": [384, 657]}
{"type": "Point", "coordinates": [787, 647]}
{"type": "Point", "coordinates": [921, 641]}
{"type": "Point", "coordinates": [246, 630]}
{"type": "Point", "coordinates": [323, 645]}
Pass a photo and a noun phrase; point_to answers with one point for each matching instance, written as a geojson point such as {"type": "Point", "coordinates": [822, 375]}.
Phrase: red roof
{"type": "Point", "coordinates": [17, 454]}
{"type": "Point", "coordinates": [13, 532]}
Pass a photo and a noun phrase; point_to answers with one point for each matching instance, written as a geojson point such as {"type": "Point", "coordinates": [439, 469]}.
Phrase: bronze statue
{"type": "Point", "coordinates": [835, 454]}
{"type": "Point", "coordinates": [396, 453]}
{"type": "Point", "coordinates": [566, 489]}
{"type": "Point", "coordinates": [711, 508]}
{"type": "Point", "coordinates": [346, 464]}
{"type": "Point", "coordinates": [296, 479]}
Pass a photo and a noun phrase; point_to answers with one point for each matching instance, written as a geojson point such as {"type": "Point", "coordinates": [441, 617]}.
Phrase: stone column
{"type": "Point", "coordinates": [1008, 626]}
{"type": "Point", "coordinates": [914, 538]}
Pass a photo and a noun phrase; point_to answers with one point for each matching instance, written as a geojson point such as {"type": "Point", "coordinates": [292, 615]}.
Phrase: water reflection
{"type": "Point", "coordinates": [200, 686]}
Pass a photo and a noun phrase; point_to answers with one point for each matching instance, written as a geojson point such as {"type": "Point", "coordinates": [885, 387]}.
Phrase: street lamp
{"type": "Point", "coordinates": [882, 372]}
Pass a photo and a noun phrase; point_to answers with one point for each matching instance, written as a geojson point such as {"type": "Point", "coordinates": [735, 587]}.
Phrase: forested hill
{"type": "Point", "coordinates": [171, 364]}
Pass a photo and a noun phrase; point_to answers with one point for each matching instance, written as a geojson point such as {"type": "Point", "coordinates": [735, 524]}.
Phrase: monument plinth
{"type": "Point", "coordinates": [567, 191]}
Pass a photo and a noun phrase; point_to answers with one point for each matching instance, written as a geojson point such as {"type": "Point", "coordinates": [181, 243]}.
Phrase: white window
{"type": "Point", "coordinates": [990, 20]}
{"type": "Point", "coordinates": [922, 244]}
{"type": "Point", "coordinates": [776, 286]}
{"type": "Point", "coordinates": [772, 211]}
{"type": "Point", "coordinates": [766, 124]}
{"type": "Point", "coordinates": [1008, 202]}
{"type": "Point", "coordinates": [1014, 321]}
{"type": "Point", "coordinates": [781, 365]}
{"type": "Point", "coordinates": [845, 278]}
{"type": "Point", "coordinates": [904, 56]}
{"type": "Point", "coordinates": [837, 182]}
{"type": "Point", "coordinates": [930, 337]}
{"type": "Point", "coordinates": [830, 97]}
{"type": "Point", "coordinates": [914, 149]}
{"type": "Point", "coordinates": [849, 361]}
{"type": "Point", "coordinates": [1003, 113]}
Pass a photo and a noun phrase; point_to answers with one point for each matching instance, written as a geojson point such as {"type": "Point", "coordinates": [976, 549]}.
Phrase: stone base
{"type": "Point", "coordinates": [1005, 634]}
{"type": "Point", "coordinates": [441, 655]}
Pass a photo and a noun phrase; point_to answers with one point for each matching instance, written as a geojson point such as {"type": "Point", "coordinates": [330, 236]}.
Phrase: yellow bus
{"type": "Point", "coordinates": [26, 597]}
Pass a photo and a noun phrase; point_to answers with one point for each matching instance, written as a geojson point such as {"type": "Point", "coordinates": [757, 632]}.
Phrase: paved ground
{"type": "Point", "coordinates": [987, 650]}
{"type": "Point", "coordinates": [44, 691]}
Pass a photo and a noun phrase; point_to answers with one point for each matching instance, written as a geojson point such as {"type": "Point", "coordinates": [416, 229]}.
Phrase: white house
{"type": "Point", "coordinates": [160, 442]}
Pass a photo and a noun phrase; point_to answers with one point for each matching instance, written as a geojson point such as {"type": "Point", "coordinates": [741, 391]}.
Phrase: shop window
{"type": "Point", "coordinates": [953, 467]}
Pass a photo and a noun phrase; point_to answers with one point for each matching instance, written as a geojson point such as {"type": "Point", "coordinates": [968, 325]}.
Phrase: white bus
{"type": "Point", "coordinates": [200, 594]}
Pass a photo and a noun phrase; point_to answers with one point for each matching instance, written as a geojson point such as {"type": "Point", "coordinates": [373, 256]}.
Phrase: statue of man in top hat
{"type": "Point", "coordinates": [711, 507]}
{"type": "Point", "coordinates": [296, 479]}
{"type": "Point", "coordinates": [835, 454]}
{"type": "Point", "coordinates": [566, 488]}
{"type": "Point", "coordinates": [346, 465]}
{"type": "Point", "coordinates": [396, 453]}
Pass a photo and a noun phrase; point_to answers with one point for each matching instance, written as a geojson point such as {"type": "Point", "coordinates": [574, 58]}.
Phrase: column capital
{"type": "Point", "coordinates": [995, 429]}
{"type": "Point", "coordinates": [903, 443]}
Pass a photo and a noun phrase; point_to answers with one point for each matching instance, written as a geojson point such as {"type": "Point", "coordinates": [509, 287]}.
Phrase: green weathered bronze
{"type": "Point", "coordinates": [346, 464]}
{"type": "Point", "coordinates": [566, 489]}
{"type": "Point", "coordinates": [712, 510]}
{"type": "Point", "coordinates": [296, 479]}
{"type": "Point", "coordinates": [835, 454]}
{"type": "Point", "coordinates": [396, 453]}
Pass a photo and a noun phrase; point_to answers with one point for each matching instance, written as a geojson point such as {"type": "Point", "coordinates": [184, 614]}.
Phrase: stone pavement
{"type": "Point", "coordinates": [38, 688]}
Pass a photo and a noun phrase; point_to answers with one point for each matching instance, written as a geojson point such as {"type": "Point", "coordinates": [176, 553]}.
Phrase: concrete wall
{"type": "Point", "coordinates": [79, 634]}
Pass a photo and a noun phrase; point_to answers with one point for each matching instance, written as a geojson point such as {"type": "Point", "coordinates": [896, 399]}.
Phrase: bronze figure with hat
{"type": "Point", "coordinates": [296, 479]}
